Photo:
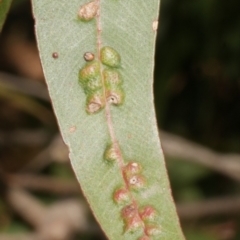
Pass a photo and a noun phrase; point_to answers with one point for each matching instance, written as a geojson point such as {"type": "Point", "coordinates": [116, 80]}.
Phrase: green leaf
{"type": "Point", "coordinates": [109, 122]}
{"type": "Point", "coordinates": [4, 8]}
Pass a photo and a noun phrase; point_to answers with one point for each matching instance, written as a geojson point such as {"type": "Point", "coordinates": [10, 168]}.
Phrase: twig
{"type": "Point", "coordinates": [59, 221]}
{"type": "Point", "coordinates": [209, 208]}
{"type": "Point", "coordinates": [55, 152]}
{"type": "Point", "coordinates": [24, 85]}
{"type": "Point", "coordinates": [38, 183]}
{"type": "Point", "coordinates": [179, 148]}
{"type": "Point", "coordinates": [26, 206]}
{"type": "Point", "coordinates": [24, 137]}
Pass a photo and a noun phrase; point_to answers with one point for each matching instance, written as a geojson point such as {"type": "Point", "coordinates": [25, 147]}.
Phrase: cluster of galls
{"type": "Point", "coordinates": [101, 81]}
{"type": "Point", "coordinates": [142, 218]}
{"type": "Point", "coordinates": [102, 84]}
{"type": "Point", "coordinates": [135, 218]}
{"type": "Point", "coordinates": [134, 180]}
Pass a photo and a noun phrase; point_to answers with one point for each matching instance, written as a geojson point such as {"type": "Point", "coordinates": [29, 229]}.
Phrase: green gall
{"type": "Point", "coordinates": [111, 153]}
{"type": "Point", "coordinates": [93, 84]}
{"type": "Point", "coordinates": [115, 96]}
{"type": "Point", "coordinates": [110, 57]}
{"type": "Point", "coordinates": [89, 71]}
{"type": "Point", "coordinates": [90, 77]}
{"type": "Point", "coordinates": [112, 78]}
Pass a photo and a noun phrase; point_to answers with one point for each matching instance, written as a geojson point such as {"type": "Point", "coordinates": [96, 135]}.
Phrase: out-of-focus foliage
{"type": "Point", "coordinates": [197, 86]}
{"type": "Point", "coordinates": [197, 91]}
{"type": "Point", "coordinates": [4, 7]}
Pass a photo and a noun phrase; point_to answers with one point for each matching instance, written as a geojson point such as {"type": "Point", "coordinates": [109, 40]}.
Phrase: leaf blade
{"type": "Point", "coordinates": [87, 136]}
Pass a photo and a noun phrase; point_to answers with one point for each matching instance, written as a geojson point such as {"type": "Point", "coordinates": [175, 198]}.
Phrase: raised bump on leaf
{"type": "Point", "coordinates": [88, 56]}
{"type": "Point", "coordinates": [93, 107]}
{"type": "Point", "coordinates": [131, 218]}
{"type": "Point", "coordinates": [134, 179]}
{"type": "Point", "coordinates": [132, 168]}
{"type": "Point", "coordinates": [93, 84]}
{"type": "Point", "coordinates": [110, 57]}
{"type": "Point", "coordinates": [90, 77]}
{"type": "Point", "coordinates": [90, 70]}
{"type": "Point", "coordinates": [153, 230]}
{"type": "Point", "coordinates": [95, 102]}
{"type": "Point", "coordinates": [88, 11]}
{"type": "Point", "coordinates": [112, 78]}
{"type": "Point", "coordinates": [121, 196]}
{"type": "Point", "coordinates": [136, 182]}
{"type": "Point", "coordinates": [111, 153]}
{"type": "Point", "coordinates": [55, 55]}
{"type": "Point", "coordinates": [147, 213]}
{"type": "Point", "coordinates": [133, 224]}
{"type": "Point", "coordinates": [115, 96]}
{"type": "Point", "coordinates": [129, 211]}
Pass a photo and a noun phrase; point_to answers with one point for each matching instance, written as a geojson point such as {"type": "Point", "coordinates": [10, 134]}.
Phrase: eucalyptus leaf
{"type": "Point", "coordinates": [109, 126]}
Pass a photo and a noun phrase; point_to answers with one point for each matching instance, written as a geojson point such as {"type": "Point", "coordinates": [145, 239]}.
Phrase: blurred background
{"type": "Point", "coordinates": [197, 97]}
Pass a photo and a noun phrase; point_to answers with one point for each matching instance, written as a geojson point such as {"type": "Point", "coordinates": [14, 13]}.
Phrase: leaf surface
{"type": "Point", "coordinates": [127, 27]}
{"type": "Point", "coordinates": [4, 8]}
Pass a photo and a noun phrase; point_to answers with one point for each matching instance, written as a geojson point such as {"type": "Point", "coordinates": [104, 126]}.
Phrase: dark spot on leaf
{"type": "Point", "coordinates": [55, 55]}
